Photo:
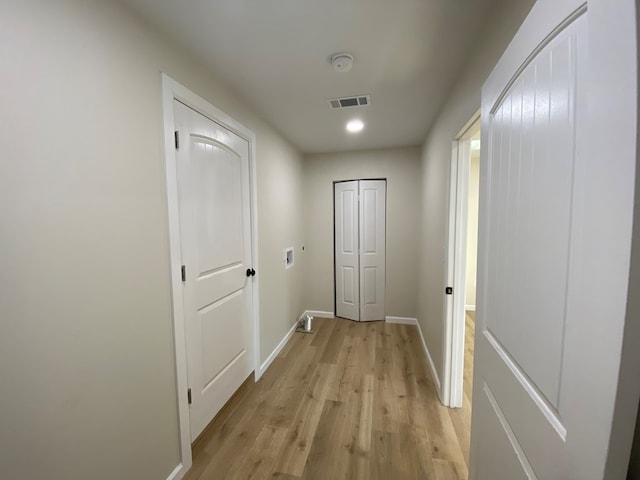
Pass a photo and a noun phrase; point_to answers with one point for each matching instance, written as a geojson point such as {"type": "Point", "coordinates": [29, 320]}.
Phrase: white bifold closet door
{"type": "Point", "coordinates": [360, 228]}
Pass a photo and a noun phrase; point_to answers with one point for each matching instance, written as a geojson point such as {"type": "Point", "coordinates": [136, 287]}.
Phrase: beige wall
{"type": "Point", "coordinates": [460, 106]}
{"type": "Point", "coordinates": [86, 354]}
{"type": "Point", "coordinates": [401, 168]}
{"type": "Point", "coordinates": [472, 228]}
{"type": "Point", "coordinates": [280, 225]}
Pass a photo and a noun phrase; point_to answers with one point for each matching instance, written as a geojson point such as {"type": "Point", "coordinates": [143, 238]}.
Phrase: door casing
{"type": "Point", "coordinates": [454, 306]}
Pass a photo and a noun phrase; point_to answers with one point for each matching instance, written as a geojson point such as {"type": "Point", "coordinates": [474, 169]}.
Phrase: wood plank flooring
{"type": "Point", "coordinates": [350, 401]}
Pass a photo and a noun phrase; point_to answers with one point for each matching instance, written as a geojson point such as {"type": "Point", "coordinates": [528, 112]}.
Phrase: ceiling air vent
{"type": "Point", "coordinates": [358, 101]}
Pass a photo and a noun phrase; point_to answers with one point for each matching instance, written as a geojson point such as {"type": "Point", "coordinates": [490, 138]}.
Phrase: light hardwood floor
{"type": "Point", "coordinates": [350, 401]}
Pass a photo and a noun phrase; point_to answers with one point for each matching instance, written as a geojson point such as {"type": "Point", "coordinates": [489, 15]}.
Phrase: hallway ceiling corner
{"type": "Point", "coordinates": [277, 56]}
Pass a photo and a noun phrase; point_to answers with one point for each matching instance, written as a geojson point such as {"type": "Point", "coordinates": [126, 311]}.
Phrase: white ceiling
{"type": "Point", "coordinates": [275, 54]}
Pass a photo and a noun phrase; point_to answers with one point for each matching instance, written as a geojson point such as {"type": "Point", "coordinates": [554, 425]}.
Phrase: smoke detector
{"type": "Point", "coordinates": [342, 62]}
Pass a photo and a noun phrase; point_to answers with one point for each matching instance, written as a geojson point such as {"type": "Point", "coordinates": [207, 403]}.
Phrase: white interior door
{"type": "Point", "coordinates": [346, 239]}
{"type": "Point", "coordinates": [360, 229]}
{"type": "Point", "coordinates": [543, 389]}
{"type": "Point", "coordinates": [213, 181]}
{"type": "Point", "coordinates": [372, 248]}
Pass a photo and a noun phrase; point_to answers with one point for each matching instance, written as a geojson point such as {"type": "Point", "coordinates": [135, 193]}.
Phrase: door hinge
{"type": "Point", "coordinates": [448, 290]}
{"type": "Point", "coordinates": [189, 396]}
{"type": "Point", "coordinates": [183, 272]}
{"type": "Point", "coordinates": [176, 137]}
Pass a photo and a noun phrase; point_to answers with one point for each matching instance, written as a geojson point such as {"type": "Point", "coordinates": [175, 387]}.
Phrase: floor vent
{"type": "Point", "coordinates": [344, 102]}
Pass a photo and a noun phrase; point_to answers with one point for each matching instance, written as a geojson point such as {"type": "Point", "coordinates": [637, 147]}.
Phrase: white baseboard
{"type": "Point", "coordinates": [402, 320]}
{"type": "Point", "coordinates": [432, 367]}
{"type": "Point", "coordinates": [319, 313]}
{"type": "Point", "coordinates": [177, 473]}
{"type": "Point", "coordinates": [277, 350]}
{"type": "Point", "coordinates": [471, 308]}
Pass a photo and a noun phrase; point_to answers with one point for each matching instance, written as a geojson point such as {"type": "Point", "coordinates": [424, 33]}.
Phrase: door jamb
{"type": "Point", "coordinates": [453, 372]}
{"type": "Point", "coordinates": [172, 90]}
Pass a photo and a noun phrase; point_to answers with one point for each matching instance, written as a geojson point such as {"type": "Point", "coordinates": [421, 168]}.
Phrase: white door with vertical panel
{"type": "Point", "coordinates": [360, 230]}
{"type": "Point", "coordinates": [215, 228]}
{"type": "Point", "coordinates": [347, 250]}
{"type": "Point", "coordinates": [372, 248]}
{"type": "Point", "coordinates": [540, 406]}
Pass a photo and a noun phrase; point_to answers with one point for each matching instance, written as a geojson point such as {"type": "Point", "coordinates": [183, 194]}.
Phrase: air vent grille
{"type": "Point", "coordinates": [346, 102]}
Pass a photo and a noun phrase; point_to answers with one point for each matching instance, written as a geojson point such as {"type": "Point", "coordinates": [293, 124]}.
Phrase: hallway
{"type": "Point", "coordinates": [351, 401]}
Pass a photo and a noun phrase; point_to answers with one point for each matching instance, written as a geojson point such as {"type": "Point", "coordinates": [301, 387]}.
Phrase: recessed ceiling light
{"type": "Point", "coordinates": [355, 126]}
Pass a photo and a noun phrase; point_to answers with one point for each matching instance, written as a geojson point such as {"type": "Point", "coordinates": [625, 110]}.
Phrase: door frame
{"type": "Point", "coordinates": [335, 286]}
{"type": "Point", "coordinates": [172, 90]}
{"type": "Point", "coordinates": [454, 305]}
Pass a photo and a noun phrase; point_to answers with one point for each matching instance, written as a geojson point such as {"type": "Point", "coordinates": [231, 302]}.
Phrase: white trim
{"type": "Point", "coordinates": [172, 90]}
{"type": "Point", "coordinates": [272, 356]}
{"type": "Point", "coordinates": [401, 320]}
{"type": "Point", "coordinates": [450, 277]}
{"type": "Point", "coordinates": [253, 178]}
{"type": "Point", "coordinates": [470, 308]}
{"type": "Point", "coordinates": [319, 313]}
{"type": "Point", "coordinates": [168, 92]}
{"type": "Point", "coordinates": [455, 375]}
{"type": "Point", "coordinates": [177, 473]}
{"type": "Point", "coordinates": [432, 367]}
{"type": "Point", "coordinates": [453, 351]}
{"type": "Point", "coordinates": [465, 131]}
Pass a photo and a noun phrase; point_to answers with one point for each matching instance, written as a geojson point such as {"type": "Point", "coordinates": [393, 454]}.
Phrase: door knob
{"type": "Point", "coordinates": [251, 272]}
